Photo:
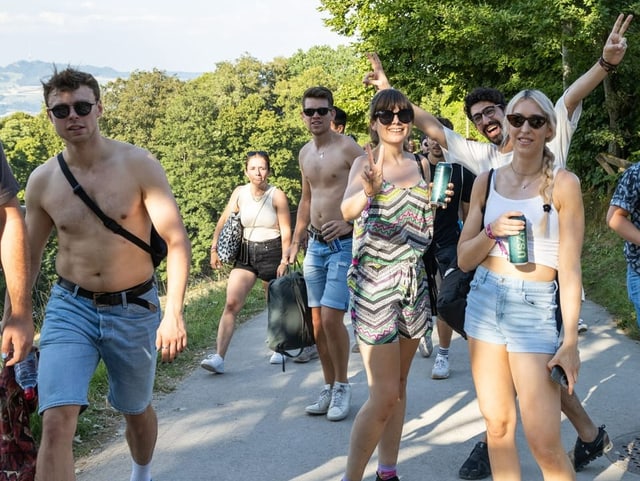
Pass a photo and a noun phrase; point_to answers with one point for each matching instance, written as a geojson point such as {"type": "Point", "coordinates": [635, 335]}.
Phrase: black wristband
{"type": "Point", "coordinates": [606, 66]}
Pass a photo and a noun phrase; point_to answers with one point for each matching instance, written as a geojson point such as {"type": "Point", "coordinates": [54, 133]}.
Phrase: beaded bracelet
{"type": "Point", "coordinates": [606, 66]}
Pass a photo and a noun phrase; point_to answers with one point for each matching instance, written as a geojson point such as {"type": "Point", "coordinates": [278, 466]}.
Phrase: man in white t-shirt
{"type": "Point", "coordinates": [486, 111]}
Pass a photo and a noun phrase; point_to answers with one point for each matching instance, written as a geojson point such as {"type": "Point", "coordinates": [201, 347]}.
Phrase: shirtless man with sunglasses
{"type": "Point", "coordinates": [105, 303]}
{"type": "Point", "coordinates": [484, 107]}
{"type": "Point", "coordinates": [325, 162]}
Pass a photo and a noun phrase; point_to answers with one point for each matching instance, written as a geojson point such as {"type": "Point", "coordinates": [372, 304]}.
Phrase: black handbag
{"type": "Point", "coordinates": [157, 248]}
{"type": "Point", "coordinates": [289, 325]}
{"type": "Point", "coordinates": [452, 295]}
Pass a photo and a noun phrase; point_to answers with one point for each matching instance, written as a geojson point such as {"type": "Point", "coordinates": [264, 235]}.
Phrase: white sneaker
{"type": "Point", "coordinates": [213, 363]}
{"type": "Point", "coordinates": [321, 406]}
{"type": "Point", "coordinates": [277, 358]}
{"type": "Point", "coordinates": [307, 354]}
{"type": "Point", "coordinates": [426, 344]}
{"type": "Point", "coordinates": [340, 402]}
{"type": "Point", "coordinates": [582, 326]}
{"type": "Point", "coordinates": [440, 368]}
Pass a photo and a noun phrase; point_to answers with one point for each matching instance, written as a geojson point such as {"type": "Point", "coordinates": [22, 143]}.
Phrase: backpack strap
{"type": "Point", "coordinates": [108, 222]}
{"type": "Point", "coordinates": [486, 195]}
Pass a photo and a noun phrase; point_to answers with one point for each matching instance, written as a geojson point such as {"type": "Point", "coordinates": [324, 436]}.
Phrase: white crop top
{"type": "Point", "coordinates": [259, 218]}
{"type": "Point", "coordinates": [542, 246]}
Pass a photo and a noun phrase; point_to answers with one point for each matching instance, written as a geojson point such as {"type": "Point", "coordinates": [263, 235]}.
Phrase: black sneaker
{"type": "Point", "coordinates": [395, 478]}
{"type": "Point", "coordinates": [584, 453]}
{"type": "Point", "coordinates": [477, 465]}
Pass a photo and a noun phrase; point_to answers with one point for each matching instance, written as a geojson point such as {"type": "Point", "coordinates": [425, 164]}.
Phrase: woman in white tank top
{"type": "Point", "coordinates": [510, 317]}
{"type": "Point", "coordinates": [266, 218]}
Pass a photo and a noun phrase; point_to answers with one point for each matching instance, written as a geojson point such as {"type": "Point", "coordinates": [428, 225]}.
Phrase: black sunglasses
{"type": "Point", "coordinates": [535, 121]}
{"type": "Point", "coordinates": [62, 111]}
{"type": "Point", "coordinates": [386, 116]}
{"type": "Point", "coordinates": [261, 153]}
{"type": "Point", "coordinates": [489, 111]}
{"type": "Point", "coordinates": [322, 111]}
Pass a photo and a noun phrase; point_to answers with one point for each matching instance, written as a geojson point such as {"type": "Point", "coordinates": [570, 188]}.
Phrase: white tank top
{"type": "Point", "coordinates": [542, 246]}
{"type": "Point", "coordinates": [259, 217]}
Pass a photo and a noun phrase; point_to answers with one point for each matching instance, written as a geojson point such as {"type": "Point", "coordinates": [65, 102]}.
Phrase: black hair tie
{"type": "Point", "coordinates": [546, 207]}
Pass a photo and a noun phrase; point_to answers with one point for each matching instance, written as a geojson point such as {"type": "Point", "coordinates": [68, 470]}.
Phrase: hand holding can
{"type": "Point", "coordinates": [441, 179]}
{"type": "Point", "coordinates": [518, 249]}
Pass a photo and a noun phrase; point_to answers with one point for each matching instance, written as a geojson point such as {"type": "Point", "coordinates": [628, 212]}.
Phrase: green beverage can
{"type": "Point", "coordinates": [518, 250]}
{"type": "Point", "coordinates": [441, 179]}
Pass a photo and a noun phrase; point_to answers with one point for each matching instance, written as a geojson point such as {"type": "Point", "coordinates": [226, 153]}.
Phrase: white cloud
{"type": "Point", "coordinates": [189, 35]}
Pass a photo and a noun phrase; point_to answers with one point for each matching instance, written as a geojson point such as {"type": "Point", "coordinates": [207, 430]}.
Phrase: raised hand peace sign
{"type": "Point", "coordinates": [372, 173]}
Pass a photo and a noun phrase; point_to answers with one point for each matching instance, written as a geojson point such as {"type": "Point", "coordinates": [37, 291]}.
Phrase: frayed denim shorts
{"type": "Point", "coordinates": [76, 334]}
{"type": "Point", "coordinates": [518, 314]}
{"type": "Point", "coordinates": [325, 274]}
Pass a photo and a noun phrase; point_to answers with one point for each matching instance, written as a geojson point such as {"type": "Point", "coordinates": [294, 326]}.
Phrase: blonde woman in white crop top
{"type": "Point", "coordinates": [510, 317]}
{"type": "Point", "coordinates": [266, 218]}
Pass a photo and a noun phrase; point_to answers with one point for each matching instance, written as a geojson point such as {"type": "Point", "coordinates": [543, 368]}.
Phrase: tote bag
{"type": "Point", "coordinates": [230, 239]}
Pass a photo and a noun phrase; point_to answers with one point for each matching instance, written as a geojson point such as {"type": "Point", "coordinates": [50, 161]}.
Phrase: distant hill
{"type": "Point", "coordinates": [21, 90]}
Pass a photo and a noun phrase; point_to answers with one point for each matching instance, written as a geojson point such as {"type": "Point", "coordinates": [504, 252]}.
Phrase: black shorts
{"type": "Point", "coordinates": [261, 258]}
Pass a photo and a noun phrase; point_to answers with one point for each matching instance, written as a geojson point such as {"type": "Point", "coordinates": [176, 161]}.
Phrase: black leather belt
{"type": "Point", "coordinates": [316, 234]}
{"type": "Point", "coordinates": [113, 298]}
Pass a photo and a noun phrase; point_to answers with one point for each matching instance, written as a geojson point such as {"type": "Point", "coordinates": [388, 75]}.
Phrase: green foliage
{"type": "Point", "coordinates": [430, 47]}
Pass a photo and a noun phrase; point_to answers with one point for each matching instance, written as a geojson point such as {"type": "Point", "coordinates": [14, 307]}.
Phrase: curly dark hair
{"type": "Point", "coordinates": [481, 94]}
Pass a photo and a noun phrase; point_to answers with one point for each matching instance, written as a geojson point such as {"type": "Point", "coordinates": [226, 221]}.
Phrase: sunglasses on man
{"type": "Point", "coordinates": [386, 116]}
{"type": "Point", "coordinates": [518, 120]}
{"type": "Point", "coordinates": [62, 111]}
{"type": "Point", "coordinates": [322, 111]}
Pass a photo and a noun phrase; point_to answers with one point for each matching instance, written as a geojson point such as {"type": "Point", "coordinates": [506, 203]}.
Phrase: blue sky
{"type": "Point", "coordinates": [174, 35]}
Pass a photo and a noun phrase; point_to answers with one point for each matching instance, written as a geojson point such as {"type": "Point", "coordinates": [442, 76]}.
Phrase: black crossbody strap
{"type": "Point", "coordinates": [108, 222]}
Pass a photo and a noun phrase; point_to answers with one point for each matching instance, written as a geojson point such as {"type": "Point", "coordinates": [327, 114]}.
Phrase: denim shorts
{"type": "Point", "coordinates": [633, 290]}
{"type": "Point", "coordinates": [260, 258]}
{"type": "Point", "coordinates": [76, 335]}
{"type": "Point", "coordinates": [325, 274]}
{"type": "Point", "coordinates": [507, 310]}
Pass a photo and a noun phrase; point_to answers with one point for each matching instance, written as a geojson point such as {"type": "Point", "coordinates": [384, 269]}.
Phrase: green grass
{"type": "Point", "coordinates": [603, 271]}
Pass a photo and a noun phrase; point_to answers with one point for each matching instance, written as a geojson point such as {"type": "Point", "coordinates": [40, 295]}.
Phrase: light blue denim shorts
{"type": "Point", "coordinates": [325, 274]}
{"type": "Point", "coordinates": [513, 312]}
{"type": "Point", "coordinates": [76, 335]}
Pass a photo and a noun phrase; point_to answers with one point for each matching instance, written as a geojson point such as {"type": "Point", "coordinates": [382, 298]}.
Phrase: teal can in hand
{"type": "Point", "coordinates": [518, 250]}
{"type": "Point", "coordinates": [441, 179]}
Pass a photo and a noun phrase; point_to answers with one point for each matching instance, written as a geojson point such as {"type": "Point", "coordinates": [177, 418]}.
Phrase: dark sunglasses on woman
{"type": "Point", "coordinates": [535, 121]}
{"type": "Point", "coordinates": [386, 116]}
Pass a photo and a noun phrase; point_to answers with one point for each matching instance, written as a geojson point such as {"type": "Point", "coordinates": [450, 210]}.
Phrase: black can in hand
{"type": "Point", "coordinates": [518, 250]}
{"type": "Point", "coordinates": [441, 179]}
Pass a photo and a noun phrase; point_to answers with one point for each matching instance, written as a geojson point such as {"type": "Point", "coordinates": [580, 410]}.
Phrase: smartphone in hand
{"type": "Point", "coordinates": [558, 375]}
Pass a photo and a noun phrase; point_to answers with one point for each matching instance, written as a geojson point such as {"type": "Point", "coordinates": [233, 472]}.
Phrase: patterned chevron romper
{"type": "Point", "coordinates": [387, 281]}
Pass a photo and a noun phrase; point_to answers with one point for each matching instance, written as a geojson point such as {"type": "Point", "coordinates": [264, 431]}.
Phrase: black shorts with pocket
{"type": "Point", "coordinates": [261, 258]}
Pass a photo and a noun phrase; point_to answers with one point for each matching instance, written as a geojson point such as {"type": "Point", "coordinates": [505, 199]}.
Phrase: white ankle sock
{"type": "Point", "coordinates": [140, 473]}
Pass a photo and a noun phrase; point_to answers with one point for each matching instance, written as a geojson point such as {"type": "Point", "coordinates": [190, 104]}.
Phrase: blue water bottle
{"type": "Point", "coordinates": [26, 372]}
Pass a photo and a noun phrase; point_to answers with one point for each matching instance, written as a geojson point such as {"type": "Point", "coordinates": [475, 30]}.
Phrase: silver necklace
{"type": "Point", "coordinates": [534, 175]}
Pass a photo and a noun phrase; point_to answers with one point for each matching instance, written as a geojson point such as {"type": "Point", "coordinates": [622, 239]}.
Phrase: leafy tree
{"type": "Point", "coordinates": [135, 105]}
{"type": "Point", "coordinates": [452, 46]}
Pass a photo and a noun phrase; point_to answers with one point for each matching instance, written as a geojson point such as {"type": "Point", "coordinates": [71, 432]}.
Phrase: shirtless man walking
{"type": "Point", "coordinates": [325, 162]}
{"type": "Point", "coordinates": [105, 302]}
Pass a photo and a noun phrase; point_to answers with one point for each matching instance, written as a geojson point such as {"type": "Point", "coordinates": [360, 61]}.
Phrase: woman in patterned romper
{"type": "Point", "coordinates": [389, 201]}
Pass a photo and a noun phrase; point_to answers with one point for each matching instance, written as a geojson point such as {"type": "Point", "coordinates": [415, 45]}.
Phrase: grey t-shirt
{"type": "Point", "coordinates": [8, 184]}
